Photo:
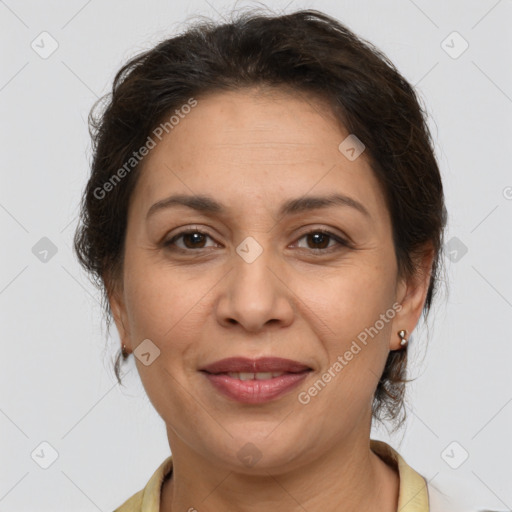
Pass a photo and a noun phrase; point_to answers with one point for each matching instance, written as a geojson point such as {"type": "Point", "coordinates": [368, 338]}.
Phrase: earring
{"type": "Point", "coordinates": [124, 351]}
{"type": "Point", "coordinates": [403, 341]}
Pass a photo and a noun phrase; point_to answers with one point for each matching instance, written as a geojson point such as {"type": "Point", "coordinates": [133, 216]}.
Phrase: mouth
{"type": "Point", "coordinates": [262, 366]}
{"type": "Point", "coordinates": [255, 381]}
{"type": "Point", "coordinates": [254, 376]}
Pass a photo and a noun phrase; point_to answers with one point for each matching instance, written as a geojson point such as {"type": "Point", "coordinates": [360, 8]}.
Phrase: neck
{"type": "Point", "coordinates": [349, 478]}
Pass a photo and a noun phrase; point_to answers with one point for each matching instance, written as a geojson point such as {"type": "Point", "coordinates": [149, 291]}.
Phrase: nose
{"type": "Point", "coordinates": [255, 294]}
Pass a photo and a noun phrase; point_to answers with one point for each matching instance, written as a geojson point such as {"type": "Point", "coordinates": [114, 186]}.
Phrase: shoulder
{"type": "Point", "coordinates": [148, 498]}
{"type": "Point", "coordinates": [441, 501]}
{"type": "Point", "coordinates": [442, 493]}
{"type": "Point", "coordinates": [450, 494]}
{"type": "Point", "coordinates": [133, 504]}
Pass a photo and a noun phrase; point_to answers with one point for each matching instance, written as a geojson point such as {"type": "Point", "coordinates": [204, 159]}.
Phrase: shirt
{"type": "Point", "coordinates": [415, 495]}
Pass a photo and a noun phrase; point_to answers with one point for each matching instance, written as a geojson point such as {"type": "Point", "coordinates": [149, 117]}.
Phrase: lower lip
{"type": "Point", "coordinates": [255, 391]}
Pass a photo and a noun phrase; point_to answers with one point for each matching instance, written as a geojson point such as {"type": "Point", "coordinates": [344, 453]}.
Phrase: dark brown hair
{"type": "Point", "coordinates": [307, 52]}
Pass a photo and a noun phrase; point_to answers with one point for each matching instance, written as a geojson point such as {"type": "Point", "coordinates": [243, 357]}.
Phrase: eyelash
{"type": "Point", "coordinates": [340, 241]}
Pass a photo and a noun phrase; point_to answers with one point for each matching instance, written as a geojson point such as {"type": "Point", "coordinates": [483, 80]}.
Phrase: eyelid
{"type": "Point", "coordinates": [185, 231]}
{"type": "Point", "coordinates": [341, 240]}
{"type": "Point", "coordinates": [332, 232]}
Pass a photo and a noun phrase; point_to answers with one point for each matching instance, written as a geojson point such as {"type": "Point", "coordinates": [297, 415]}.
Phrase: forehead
{"type": "Point", "coordinates": [254, 143]}
{"type": "Point", "coordinates": [254, 123]}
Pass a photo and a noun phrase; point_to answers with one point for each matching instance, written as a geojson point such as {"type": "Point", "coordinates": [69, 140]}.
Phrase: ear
{"type": "Point", "coordinates": [411, 294]}
{"type": "Point", "coordinates": [118, 308]}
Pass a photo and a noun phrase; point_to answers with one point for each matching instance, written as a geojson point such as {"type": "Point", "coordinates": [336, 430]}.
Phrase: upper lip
{"type": "Point", "coordinates": [263, 364]}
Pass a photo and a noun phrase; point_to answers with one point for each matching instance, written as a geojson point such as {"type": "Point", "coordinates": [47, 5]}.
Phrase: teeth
{"type": "Point", "coordinates": [254, 376]}
{"type": "Point", "coordinates": [263, 375]}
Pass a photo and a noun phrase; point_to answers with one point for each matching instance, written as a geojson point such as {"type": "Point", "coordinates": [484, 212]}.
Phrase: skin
{"type": "Point", "coordinates": [302, 299]}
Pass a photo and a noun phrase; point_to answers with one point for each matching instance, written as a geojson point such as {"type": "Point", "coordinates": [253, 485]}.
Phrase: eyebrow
{"type": "Point", "coordinates": [207, 204]}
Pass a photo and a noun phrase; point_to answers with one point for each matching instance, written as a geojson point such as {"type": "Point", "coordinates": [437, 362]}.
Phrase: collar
{"type": "Point", "coordinates": [413, 493]}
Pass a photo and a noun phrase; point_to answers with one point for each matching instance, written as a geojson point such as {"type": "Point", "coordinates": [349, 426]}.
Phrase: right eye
{"type": "Point", "coordinates": [192, 239]}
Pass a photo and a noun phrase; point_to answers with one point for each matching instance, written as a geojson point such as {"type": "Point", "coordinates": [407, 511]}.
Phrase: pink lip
{"type": "Point", "coordinates": [255, 391]}
{"type": "Point", "coordinates": [263, 364]}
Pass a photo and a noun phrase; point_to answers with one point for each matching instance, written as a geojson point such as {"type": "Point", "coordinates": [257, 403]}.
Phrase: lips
{"type": "Point", "coordinates": [243, 365]}
{"type": "Point", "coordinates": [255, 381]}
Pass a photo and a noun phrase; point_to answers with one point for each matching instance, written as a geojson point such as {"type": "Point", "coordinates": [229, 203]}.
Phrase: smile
{"type": "Point", "coordinates": [255, 388]}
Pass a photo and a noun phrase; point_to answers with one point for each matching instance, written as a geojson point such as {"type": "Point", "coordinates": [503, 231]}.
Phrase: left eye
{"type": "Point", "coordinates": [194, 239]}
{"type": "Point", "coordinates": [322, 238]}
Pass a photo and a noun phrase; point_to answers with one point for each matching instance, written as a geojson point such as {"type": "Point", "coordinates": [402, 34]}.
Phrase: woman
{"type": "Point", "coordinates": [265, 216]}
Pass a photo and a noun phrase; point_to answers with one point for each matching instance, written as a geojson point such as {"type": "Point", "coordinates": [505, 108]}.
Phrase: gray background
{"type": "Point", "coordinates": [56, 373]}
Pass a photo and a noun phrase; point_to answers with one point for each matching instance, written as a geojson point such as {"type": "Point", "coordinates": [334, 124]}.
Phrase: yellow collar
{"type": "Point", "coordinates": [413, 494]}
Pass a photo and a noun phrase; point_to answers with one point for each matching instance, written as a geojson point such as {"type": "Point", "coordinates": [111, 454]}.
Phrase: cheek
{"type": "Point", "coordinates": [160, 310]}
{"type": "Point", "coordinates": [170, 307]}
{"type": "Point", "coordinates": [352, 313]}
{"type": "Point", "coordinates": [154, 295]}
{"type": "Point", "coordinates": [349, 299]}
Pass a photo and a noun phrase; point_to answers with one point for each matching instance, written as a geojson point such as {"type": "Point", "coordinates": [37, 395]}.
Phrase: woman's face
{"type": "Point", "coordinates": [251, 282]}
